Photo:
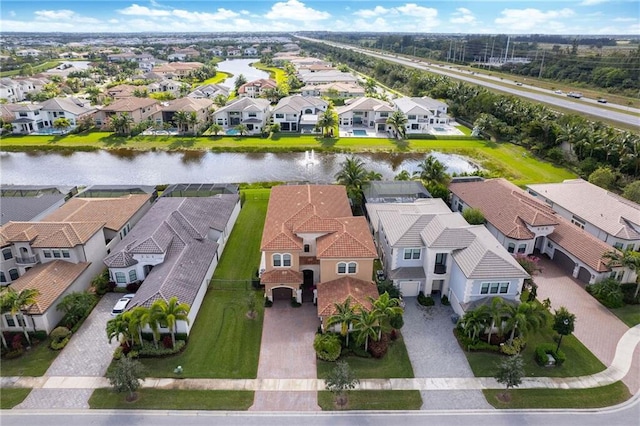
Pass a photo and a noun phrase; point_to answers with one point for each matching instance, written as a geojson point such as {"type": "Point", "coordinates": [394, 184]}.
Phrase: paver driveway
{"type": "Point", "coordinates": [596, 327]}
{"type": "Point", "coordinates": [287, 351]}
{"type": "Point", "coordinates": [88, 353]}
{"type": "Point", "coordinates": [434, 352]}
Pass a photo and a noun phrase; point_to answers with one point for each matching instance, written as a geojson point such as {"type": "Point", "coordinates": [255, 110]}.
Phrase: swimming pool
{"type": "Point", "coordinates": [232, 132]}
{"type": "Point", "coordinates": [440, 129]}
{"type": "Point", "coordinates": [359, 133]}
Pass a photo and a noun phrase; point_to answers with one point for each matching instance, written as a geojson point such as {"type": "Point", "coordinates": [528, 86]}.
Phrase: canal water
{"type": "Point", "coordinates": [240, 66]}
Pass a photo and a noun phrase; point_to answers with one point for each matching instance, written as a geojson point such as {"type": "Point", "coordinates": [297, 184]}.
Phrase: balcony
{"type": "Point", "coordinates": [440, 269]}
{"type": "Point", "coordinates": [309, 260]}
{"type": "Point", "coordinates": [26, 260]}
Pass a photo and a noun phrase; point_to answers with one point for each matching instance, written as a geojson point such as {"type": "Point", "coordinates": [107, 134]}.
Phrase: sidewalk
{"type": "Point", "coordinates": [618, 369]}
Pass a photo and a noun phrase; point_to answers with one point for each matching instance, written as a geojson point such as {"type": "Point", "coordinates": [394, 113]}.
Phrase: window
{"type": "Point", "coordinates": [504, 288]}
{"type": "Point", "coordinates": [578, 222]}
{"type": "Point", "coordinates": [3, 278]}
{"type": "Point", "coordinates": [384, 114]}
{"type": "Point", "coordinates": [66, 254]}
{"type": "Point", "coordinates": [280, 260]}
{"type": "Point", "coordinates": [522, 248]}
{"type": "Point", "coordinates": [494, 288]}
{"type": "Point", "coordinates": [415, 126]}
{"type": "Point", "coordinates": [10, 321]}
{"type": "Point", "coordinates": [306, 248]}
{"type": "Point", "coordinates": [411, 117]}
{"type": "Point", "coordinates": [351, 268]}
{"type": "Point", "coordinates": [286, 260]}
{"type": "Point", "coordinates": [20, 319]}
{"type": "Point", "coordinates": [133, 276]}
{"type": "Point", "coordinates": [441, 258]}
{"type": "Point", "coordinates": [13, 273]}
{"type": "Point", "coordinates": [47, 253]}
{"type": "Point", "coordinates": [57, 254]}
{"type": "Point", "coordinates": [630, 247]}
{"type": "Point", "coordinates": [511, 248]}
{"type": "Point", "coordinates": [7, 254]}
{"type": "Point", "coordinates": [279, 115]}
{"type": "Point", "coordinates": [347, 267]}
{"type": "Point", "coordinates": [411, 253]}
{"type": "Point", "coordinates": [120, 278]}
{"type": "Point", "coordinates": [618, 246]}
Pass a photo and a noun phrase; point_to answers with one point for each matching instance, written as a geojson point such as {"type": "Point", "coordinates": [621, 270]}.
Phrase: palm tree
{"type": "Point", "coordinates": [122, 123]}
{"type": "Point", "coordinates": [216, 128]}
{"type": "Point", "coordinates": [242, 129]}
{"type": "Point", "coordinates": [220, 100]}
{"type": "Point", "coordinates": [327, 121]}
{"type": "Point", "coordinates": [193, 121]}
{"type": "Point", "coordinates": [627, 259]}
{"type": "Point", "coordinates": [16, 302]}
{"type": "Point", "coordinates": [496, 312]}
{"type": "Point", "coordinates": [345, 315]}
{"type": "Point", "coordinates": [170, 313]}
{"type": "Point", "coordinates": [353, 175]}
{"type": "Point", "coordinates": [61, 123]}
{"type": "Point", "coordinates": [118, 328]}
{"type": "Point", "coordinates": [386, 308]}
{"type": "Point", "coordinates": [526, 317]}
{"type": "Point", "coordinates": [398, 121]}
{"type": "Point", "coordinates": [181, 118]}
{"type": "Point", "coordinates": [475, 321]}
{"type": "Point", "coordinates": [366, 326]}
{"type": "Point", "coordinates": [149, 317]}
{"type": "Point", "coordinates": [433, 171]}
{"type": "Point", "coordinates": [403, 175]}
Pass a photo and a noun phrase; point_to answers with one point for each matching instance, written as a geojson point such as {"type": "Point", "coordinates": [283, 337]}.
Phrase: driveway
{"type": "Point", "coordinates": [434, 352]}
{"type": "Point", "coordinates": [596, 327]}
{"type": "Point", "coordinates": [88, 353]}
{"type": "Point", "coordinates": [286, 352]}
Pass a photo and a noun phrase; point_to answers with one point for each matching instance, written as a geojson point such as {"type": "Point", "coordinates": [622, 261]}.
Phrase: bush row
{"type": "Point", "coordinates": [549, 348]}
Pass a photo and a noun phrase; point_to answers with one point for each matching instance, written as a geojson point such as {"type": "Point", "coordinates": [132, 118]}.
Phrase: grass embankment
{"type": "Point", "coordinates": [224, 343]}
{"type": "Point", "coordinates": [605, 396]}
{"type": "Point", "coordinates": [373, 400]}
{"type": "Point", "coordinates": [277, 74]}
{"type": "Point", "coordinates": [628, 314]}
{"type": "Point", "coordinates": [33, 362]}
{"type": "Point", "coordinates": [218, 78]}
{"type": "Point", "coordinates": [501, 159]}
{"type": "Point", "coordinates": [169, 399]}
{"type": "Point", "coordinates": [10, 397]}
{"type": "Point", "coordinates": [36, 69]}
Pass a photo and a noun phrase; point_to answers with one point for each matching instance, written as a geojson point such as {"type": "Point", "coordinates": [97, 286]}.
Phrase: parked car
{"type": "Point", "coordinates": [558, 92]}
{"type": "Point", "coordinates": [518, 84]}
{"type": "Point", "coordinates": [120, 306]}
{"type": "Point", "coordinates": [602, 100]}
{"type": "Point", "coordinates": [576, 95]}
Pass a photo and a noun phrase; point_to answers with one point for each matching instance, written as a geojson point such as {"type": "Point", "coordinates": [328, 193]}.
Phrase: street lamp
{"type": "Point", "coordinates": [566, 324]}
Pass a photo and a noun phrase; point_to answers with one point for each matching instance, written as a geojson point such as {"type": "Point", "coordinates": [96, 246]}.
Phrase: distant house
{"type": "Point", "coordinates": [254, 89]}
{"type": "Point", "coordinates": [174, 250]}
{"type": "Point", "coordinates": [16, 89]}
{"type": "Point", "coordinates": [122, 91]}
{"type": "Point", "coordinates": [209, 91]}
{"type": "Point", "coordinates": [334, 90]}
{"type": "Point", "coordinates": [311, 241]}
{"type": "Point", "coordinates": [180, 69]}
{"type": "Point", "coordinates": [165, 85]}
{"type": "Point", "coordinates": [524, 225]}
{"type": "Point", "coordinates": [326, 77]}
{"type": "Point", "coordinates": [253, 113]}
{"type": "Point", "coordinates": [603, 214]}
{"type": "Point", "coordinates": [250, 51]}
{"type": "Point", "coordinates": [139, 109]}
{"type": "Point", "coordinates": [422, 113]}
{"type": "Point", "coordinates": [183, 54]}
{"type": "Point", "coordinates": [365, 112]}
{"type": "Point", "coordinates": [298, 114]}
{"type": "Point", "coordinates": [30, 118]}
{"type": "Point", "coordinates": [425, 247]}
{"type": "Point", "coordinates": [28, 52]}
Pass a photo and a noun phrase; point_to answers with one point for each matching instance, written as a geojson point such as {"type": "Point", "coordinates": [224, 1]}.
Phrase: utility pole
{"type": "Point", "coordinates": [542, 64]}
{"type": "Point", "coordinates": [450, 45]}
{"type": "Point", "coordinates": [506, 53]}
{"type": "Point", "coordinates": [486, 48]}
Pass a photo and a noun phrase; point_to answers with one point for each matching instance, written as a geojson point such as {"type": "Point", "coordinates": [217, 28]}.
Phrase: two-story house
{"type": "Point", "coordinates": [253, 113]}
{"type": "Point", "coordinates": [139, 109]}
{"type": "Point", "coordinates": [603, 214]}
{"type": "Point", "coordinates": [174, 250]}
{"type": "Point", "coordinates": [334, 90]}
{"type": "Point", "coordinates": [365, 112]}
{"type": "Point", "coordinates": [298, 114]}
{"type": "Point", "coordinates": [422, 113]}
{"type": "Point", "coordinates": [254, 89]}
{"type": "Point", "coordinates": [209, 91]}
{"type": "Point", "coordinates": [200, 107]}
{"type": "Point", "coordinates": [28, 119]}
{"type": "Point", "coordinates": [314, 249]}
{"type": "Point", "coordinates": [526, 225]}
{"type": "Point", "coordinates": [73, 109]}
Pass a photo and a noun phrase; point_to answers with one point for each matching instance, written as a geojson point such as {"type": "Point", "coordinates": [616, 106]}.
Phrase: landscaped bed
{"type": "Point", "coordinates": [373, 400]}
{"type": "Point", "coordinates": [173, 399]}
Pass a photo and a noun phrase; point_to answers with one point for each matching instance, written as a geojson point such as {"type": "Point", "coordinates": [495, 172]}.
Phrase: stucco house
{"type": "Point", "coordinates": [209, 91]}
{"type": "Point", "coordinates": [325, 77]}
{"type": "Point", "coordinates": [422, 113]}
{"type": "Point", "coordinates": [365, 113]}
{"type": "Point", "coordinates": [603, 214]}
{"type": "Point", "coordinates": [526, 225]}
{"type": "Point", "coordinates": [298, 113]}
{"type": "Point", "coordinates": [255, 89]}
{"type": "Point", "coordinates": [174, 250]}
{"type": "Point", "coordinates": [336, 90]}
{"type": "Point", "coordinates": [311, 239]}
{"type": "Point", "coordinates": [31, 118]}
{"type": "Point", "coordinates": [201, 108]}
{"type": "Point", "coordinates": [254, 113]}
{"type": "Point", "coordinates": [425, 247]}
{"type": "Point", "coordinates": [139, 109]}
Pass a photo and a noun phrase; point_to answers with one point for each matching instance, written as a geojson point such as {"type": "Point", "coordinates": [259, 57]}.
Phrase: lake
{"type": "Point", "coordinates": [240, 66]}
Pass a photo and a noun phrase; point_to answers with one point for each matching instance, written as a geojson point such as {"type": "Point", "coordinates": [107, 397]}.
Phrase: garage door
{"type": "Point", "coordinates": [564, 262]}
{"type": "Point", "coordinates": [282, 293]}
{"type": "Point", "coordinates": [409, 288]}
{"type": "Point", "coordinates": [584, 275]}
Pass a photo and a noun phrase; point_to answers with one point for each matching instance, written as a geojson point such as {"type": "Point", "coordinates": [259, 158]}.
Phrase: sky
{"type": "Point", "coordinates": [594, 17]}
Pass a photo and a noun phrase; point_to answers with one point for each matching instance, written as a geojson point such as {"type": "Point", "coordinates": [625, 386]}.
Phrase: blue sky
{"type": "Point", "coordinates": [443, 16]}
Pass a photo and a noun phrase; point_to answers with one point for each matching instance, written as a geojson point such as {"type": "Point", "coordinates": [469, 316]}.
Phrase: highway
{"type": "Point", "coordinates": [618, 113]}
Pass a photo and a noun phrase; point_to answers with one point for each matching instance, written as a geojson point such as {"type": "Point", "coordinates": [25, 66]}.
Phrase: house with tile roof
{"type": "Point", "coordinates": [36, 117]}
{"type": "Point", "coordinates": [24, 203]}
{"type": "Point", "coordinates": [311, 239]}
{"type": "Point", "coordinates": [139, 109]}
{"type": "Point", "coordinates": [325, 77]}
{"type": "Point", "coordinates": [254, 89]}
{"type": "Point", "coordinates": [209, 91]}
{"type": "Point", "coordinates": [179, 69]}
{"type": "Point", "coordinates": [253, 113]}
{"type": "Point", "coordinates": [174, 250]}
{"type": "Point", "coordinates": [200, 107]}
{"type": "Point", "coordinates": [524, 224]}
{"type": "Point", "coordinates": [333, 90]}
{"type": "Point", "coordinates": [605, 215]}
{"type": "Point", "coordinates": [298, 113]}
{"type": "Point", "coordinates": [365, 113]}
{"type": "Point", "coordinates": [422, 113]}
{"type": "Point", "coordinates": [425, 247]}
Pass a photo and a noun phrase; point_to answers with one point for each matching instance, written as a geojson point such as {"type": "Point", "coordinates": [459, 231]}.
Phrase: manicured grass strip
{"type": "Point", "coordinates": [629, 314]}
{"type": "Point", "coordinates": [36, 69]}
{"type": "Point", "coordinates": [395, 364]}
{"type": "Point", "coordinates": [604, 396]}
{"type": "Point", "coordinates": [33, 362]}
{"type": "Point", "coordinates": [10, 397]}
{"type": "Point", "coordinates": [277, 74]}
{"type": "Point", "coordinates": [173, 399]}
{"type": "Point", "coordinates": [373, 400]}
{"type": "Point", "coordinates": [218, 78]}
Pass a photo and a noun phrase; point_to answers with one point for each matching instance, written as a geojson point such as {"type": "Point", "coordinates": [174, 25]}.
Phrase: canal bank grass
{"type": "Point", "coordinates": [500, 159]}
{"type": "Point", "coordinates": [373, 400]}
{"type": "Point", "coordinates": [173, 399]}
{"type": "Point", "coordinates": [224, 342]}
{"type": "Point", "coordinates": [604, 396]}
{"type": "Point", "coordinates": [275, 73]}
{"type": "Point", "coordinates": [10, 397]}
{"type": "Point", "coordinates": [218, 78]}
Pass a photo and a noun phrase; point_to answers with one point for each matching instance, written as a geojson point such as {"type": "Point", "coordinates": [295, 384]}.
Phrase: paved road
{"type": "Point", "coordinates": [582, 106]}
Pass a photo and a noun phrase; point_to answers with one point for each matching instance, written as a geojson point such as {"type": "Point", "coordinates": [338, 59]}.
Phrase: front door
{"type": "Point", "coordinates": [307, 286]}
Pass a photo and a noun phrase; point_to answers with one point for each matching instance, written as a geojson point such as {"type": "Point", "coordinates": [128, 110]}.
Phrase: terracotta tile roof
{"type": "Point", "coordinates": [131, 104]}
{"type": "Point", "coordinates": [354, 240]}
{"type": "Point", "coordinates": [581, 244]}
{"type": "Point", "coordinates": [51, 280]}
{"type": "Point", "coordinates": [281, 276]}
{"type": "Point", "coordinates": [50, 234]}
{"type": "Point", "coordinates": [337, 291]}
{"type": "Point", "coordinates": [114, 212]}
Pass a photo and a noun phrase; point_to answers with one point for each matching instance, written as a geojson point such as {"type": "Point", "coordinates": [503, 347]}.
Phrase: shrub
{"type": "Point", "coordinates": [387, 286]}
{"type": "Point", "coordinates": [608, 292]}
{"type": "Point", "coordinates": [167, 342]}
{"type": "Point", "coordinates": [549, 348]}
{"type": "Point", "coordinates": [513, 348]}
{"type": "Point", "coordinates": [474, 216]}
{"type": "Point", "coordinates": [59, 338]}
{"type": "Point", "coordinates": [628, 294]}
{"type": "Point", "coordinates": [483, 346]}
{"type": "Point", "coordinates": [445, 300]}
{"type": "Point", "coordinates": [394, 335]}
{"type": "Point", "coordinates": [117, 354]}
{"type": "Point", "coordinates": [133, 287]}
{"type": "Point", "coordinates": [294, 303]}
{"type": "Point", "coordinates": [14, 353]}
{"type": "Point", "coordinates": [268, 303]}
{"type": "Point", "coordinates": [17, 342]}
{"type": "Point", "coordinates": [379, 348]}
{"type": "Point", "coordinates": [425, 300]}
{"type": "Point", "coordinates": [396, 322]}
{"type": "Point", "coordinates": [327, 346]}
{"type": "Point", "coordinates": [149, 350]}
{"type": "Point", "coordinates": [133, 354]}
{"type": "Point", "coordinates": [101, 283]}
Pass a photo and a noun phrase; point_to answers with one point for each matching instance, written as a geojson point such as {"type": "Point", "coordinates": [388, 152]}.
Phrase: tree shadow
{"type": "Point", "coordinates": [182, 143]}
{"type": "Point", "coordinates": [327, 142]}
{"type": "Point", "coordinates": [113, 140]}
{"type": "Point", "coordinates": [401, 144]}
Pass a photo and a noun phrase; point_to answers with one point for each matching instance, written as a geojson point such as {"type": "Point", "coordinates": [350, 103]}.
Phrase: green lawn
{"type": "Point", "coordinates": [32, 363]}
{"type": "Point", "coordinates": [605, 396]}
{"type": "Point", "coordinates": [224, 343]}
{"type": "Point", "coordinates": [10, 397]}
{"type": "Point", "coordinates": [36, 69]}
{"type": "Point", "coordinates": [629, 314]}
{"type": "Point", "coordinates": [218, 78]}
{"type": "Point", "coordinates": [395, 364]}
{"type": "Point", "coordinates": [373, 400]}
{"type": "Point", "coordinates": [277, 74]}
{"type": "Point", "coordinates": [173, 399]}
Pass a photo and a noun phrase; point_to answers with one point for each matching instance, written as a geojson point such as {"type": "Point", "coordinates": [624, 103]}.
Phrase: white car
{"type": "Point", "coordinates": [558, 92]}
{"type": "Point", "coordinates": [120, 306]}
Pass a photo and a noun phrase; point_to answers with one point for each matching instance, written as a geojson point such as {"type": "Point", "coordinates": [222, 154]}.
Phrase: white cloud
{"type": "Point", "coordinates": [370, 13]}
{"type": "Point", "coordinates": [137, 10]}
{"type": "Point", "coordinates": [463, 16]}
{"type": "Point", "coordinates": [63, 16]}
{"type": "Point", "coordinates": [420, 12]}
{"type": "Point", "coordinates": [408, 17]}
{"type": "Point", "coordinates": [592, 2]}
{"type": "Point", "coordinates": [221, 14]}
{"type": "Point", "coordinates": [515, 20]}
{"type": "Point", "coordinates": [625, 20]}
{"type": "Point", "coordinates": [295, 10]}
